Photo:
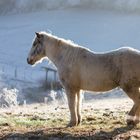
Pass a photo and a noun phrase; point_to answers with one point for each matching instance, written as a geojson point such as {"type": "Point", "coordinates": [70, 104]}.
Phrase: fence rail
{"type": "Point", "coordinates": [28, 74]}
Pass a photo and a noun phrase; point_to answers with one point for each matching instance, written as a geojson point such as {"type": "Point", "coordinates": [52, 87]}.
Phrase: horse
{"type": "Point", "coordinates": [82, 69]}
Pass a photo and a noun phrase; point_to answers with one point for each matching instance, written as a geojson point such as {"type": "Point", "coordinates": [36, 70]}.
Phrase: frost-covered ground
{"type": "Point", "coordinates": [97, 24]}
{"type": "Point", "coordinates": [102, 119]}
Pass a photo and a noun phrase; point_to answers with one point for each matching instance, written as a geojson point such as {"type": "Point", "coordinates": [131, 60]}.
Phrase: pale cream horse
{"type": "Point", "coordinates": [82, 69]}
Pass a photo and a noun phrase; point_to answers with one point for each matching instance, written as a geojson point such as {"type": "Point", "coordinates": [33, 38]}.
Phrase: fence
{"type": "Point", "coordinates": [33, 75]}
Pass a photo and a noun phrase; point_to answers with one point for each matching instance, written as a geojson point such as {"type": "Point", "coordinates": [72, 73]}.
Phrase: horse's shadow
{"type": "Point", "coordinates": [59, 134]}
{"type": "Point", "coordinates": [115, 134]}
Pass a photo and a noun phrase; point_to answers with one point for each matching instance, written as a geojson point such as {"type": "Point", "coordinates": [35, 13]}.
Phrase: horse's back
{"type": "Point", "coordinates": [95, 71]}
{"type": "Point", "coordinates": [129, 64]}
{"type": "Point", "coordinates": [104, 71]}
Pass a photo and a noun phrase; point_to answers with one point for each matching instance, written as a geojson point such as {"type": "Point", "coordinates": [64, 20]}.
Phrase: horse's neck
{"type": "Point", "coordinates": [59, 53]}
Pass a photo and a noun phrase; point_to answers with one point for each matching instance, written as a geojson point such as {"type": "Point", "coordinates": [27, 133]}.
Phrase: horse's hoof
{"type": "Point", "coordinates": [131, 123]}
{"type": "Point", "coordinates": [79, 123]}
{"type": "Point", "coordinates": [79, 120]}
{"type": "Point", "coordinates": [71, 124]}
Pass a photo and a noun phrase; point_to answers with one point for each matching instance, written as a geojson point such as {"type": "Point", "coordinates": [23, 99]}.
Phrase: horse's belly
{"type": "Point", "coordinates": [98, 85]}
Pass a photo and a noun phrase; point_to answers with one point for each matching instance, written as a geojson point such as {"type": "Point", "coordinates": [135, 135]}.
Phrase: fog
{"type": "Point", "coordinates": [24, 6]}
{"type": "Point", "coordinates": [100, 25]}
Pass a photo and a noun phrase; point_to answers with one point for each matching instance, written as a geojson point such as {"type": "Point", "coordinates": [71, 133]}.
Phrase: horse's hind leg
{"type": "Point", "coordinates": [131, 115]}
{"type": "Point", "coordinates": [137, 117]}
{"type": "Point", "coordinates": [134, 114]}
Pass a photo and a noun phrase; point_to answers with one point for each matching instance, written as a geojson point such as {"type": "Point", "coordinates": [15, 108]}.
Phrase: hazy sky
{"type": "Point", "coordinates": [16, 6]}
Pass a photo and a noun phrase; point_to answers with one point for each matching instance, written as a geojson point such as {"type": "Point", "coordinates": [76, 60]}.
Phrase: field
{"type": "Point", "coordinates": [98, 25]}
{"type": "Point", "coordinates": [102, 120]}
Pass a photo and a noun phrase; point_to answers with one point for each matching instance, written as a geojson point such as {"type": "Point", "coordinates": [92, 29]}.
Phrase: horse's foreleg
{"type": "Point", "coordinates": [71, 95]}
{"type": "Point", "coordinates": [79, 107]}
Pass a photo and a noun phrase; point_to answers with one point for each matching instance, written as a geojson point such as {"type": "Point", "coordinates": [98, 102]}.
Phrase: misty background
{"type": "Point", "coordinates": [100, 25]}
{"type": "Point", "coordinates": [22, 6]}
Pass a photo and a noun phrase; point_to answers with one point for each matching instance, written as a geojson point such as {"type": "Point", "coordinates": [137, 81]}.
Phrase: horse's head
{"type": "Point", "coordinates": [37, 51]}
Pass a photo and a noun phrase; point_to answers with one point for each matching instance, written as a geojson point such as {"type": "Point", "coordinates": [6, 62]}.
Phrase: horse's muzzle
{"type": "Point", "coordinates": [29, 61]}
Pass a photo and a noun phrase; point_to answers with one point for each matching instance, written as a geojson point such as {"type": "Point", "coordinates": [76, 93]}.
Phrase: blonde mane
{"type": "Point", "coordinates": [69, 42]}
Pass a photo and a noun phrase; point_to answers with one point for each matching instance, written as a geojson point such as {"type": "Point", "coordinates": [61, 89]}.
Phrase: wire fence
{"type": "Point", "coordinates": [32, 75]}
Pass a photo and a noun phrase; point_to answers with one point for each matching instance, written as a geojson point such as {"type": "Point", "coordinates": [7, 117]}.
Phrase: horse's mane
{"type": "Point", "coordinates": [68, 42]}
{"type": "Point", "coordinates": [72, 44]}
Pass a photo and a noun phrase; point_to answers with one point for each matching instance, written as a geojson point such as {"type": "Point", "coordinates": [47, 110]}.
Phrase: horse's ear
{"type": "Point", "coordinates": [38, 34]}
